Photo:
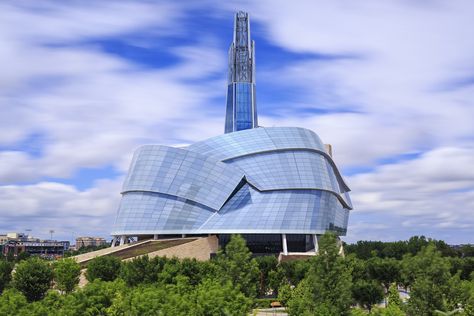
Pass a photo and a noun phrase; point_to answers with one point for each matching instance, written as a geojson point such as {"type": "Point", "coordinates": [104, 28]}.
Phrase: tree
{"type": "Point", "coordinates": [394, 296]}
{"type": "Point", "coordinates": [365, 249]}
{"type": "Point", "coordinates": [50, 305]}
{"type": "Point", "coordinates": [214, 298]}
{"type": "Point", "coordinates": [94, 299]}
{"type": "Point", "coordinates": [284, 294]}
{"type": "Point", "coordinates": [5, 274]}
{"type": "Point", "coordinates": [358, 312]}
{"type": "Point", "coordinates": [195, 271]}
{"type": "Point", "coordinates": [395, 250]}
{"type": "Point", "coordinates": [23, 256]}
{"type": "Point", "coordinates": [416, 243]}
{"type": "Point", "coordinates": [464, 265]}
{"type": "Point", "coordinates": [150, 300]}
{"type": "Point", "coordinates": [266, 265]}
{"type": "Point", "coordinates": [367, 293]}
{"type": "Point", "coordinates": [301, 301]}
{"type": "Point", "coordinates": [11, 302]}
{"type": "Point", "coordinates": [327, 286]}
{"type": "Point", "coordinates": [469, 304]}
{"type": "Point", "coordinates": [106, 268]}
{"type": "Point", "coordinates": [358, 268]}
{"type": "Point", "coordinates": [466, 251]}
{"type": "Point", "coordinates": [445, 249]}
{"type": "Point", "coordinates": [428, 272]}
{"type": "Point", "coordinates": [66, 274]}
{"type": "Point", "coordinates": [33, 278]}
{"type": "Point", "coordinates": [170, 272]}
{"type": "Point", "coordinates": [457, 293]}
{"type": "Point", "coordinates": [236, 264]}
{"type": "Point", "coordinates": [134, 272]}
{"type": "Point", "coordinates": [276, 280]}
{"type": "Point", "coordinates": [386, 271]}
{"type": "Point", "coordinates": [210, 297]}
{"type": "Point", "coordinates": [295, 271]}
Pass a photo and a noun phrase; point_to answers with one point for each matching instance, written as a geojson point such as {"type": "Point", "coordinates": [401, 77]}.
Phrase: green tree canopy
{"type": "Point", "coordinates": [5, 274]}
{"type": "Point", "coordinates": [211, 297]}
{"type": "Point", "coordinates": [136, 271]}
{"type": "Point", "coordinates": [327, 286]}
{"type": "Point", "coordinates": [106, 268]}
{"type": "Point", "coordinates": [367, 293]}
{"type": "Point", "coordinates": [428, 272]}
{"type": "Point", "coordinates": [394, 296]}
{"type": "Point", "coordinates": [66, 274]}
{"type": "Point", "coordinates": [33, 278]}
{"type": "Point", "coordinates": [386, 270]}
{"type": "Point", "coordinates": [94, 299]}
{"type": "Point", "coordinates": [11, 302]}
{"type": "Point", "coordinates": [236, 265]}
{"type": "Point", "coordinates": [266, 264]}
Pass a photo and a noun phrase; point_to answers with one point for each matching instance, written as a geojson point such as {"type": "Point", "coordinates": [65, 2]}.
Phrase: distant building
{"type": "Point", "coordinates": [89, 242]}
{"type": "Point", "coordinates": [16, 243]}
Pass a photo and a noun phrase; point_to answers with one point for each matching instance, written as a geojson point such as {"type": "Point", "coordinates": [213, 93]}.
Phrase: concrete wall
{"type": "Point", "coordinates": [199, 249]}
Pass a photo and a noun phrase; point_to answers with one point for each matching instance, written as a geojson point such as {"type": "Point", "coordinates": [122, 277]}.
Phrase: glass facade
{"type": "Point", "coordinates": [241, 111]}
{"type": "Point", "coordinates": [283, 211]}
{"type": "Point", "coordinates": [251, 181]}
{"type": "Point", "coordinates": [233, 146]}
{"type": "Point", "coordinates": [183, 174]}
{"type": "Point", "coordinates": [272, 243]}
{"type": "Point", "coordinates": [243, 106]}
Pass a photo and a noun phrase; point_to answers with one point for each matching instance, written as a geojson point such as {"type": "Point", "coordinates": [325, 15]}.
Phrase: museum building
{"type": "Point", "coordinates": [276, 186]}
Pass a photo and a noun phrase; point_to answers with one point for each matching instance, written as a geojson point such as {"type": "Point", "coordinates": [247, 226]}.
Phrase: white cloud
{"type": "Point", "coordinates": [63, 208]}
{"type": "Point", "coordinates": [431, 195]}
{"type": "Point", "coordinates": [398, 65]}
{"type": "Point", "coordinates": [94, 108]}
{"type": "Point", "coordinates": [401, 62]}
{"type": "Point", "coordinates": [91, 108]}
{"type": "Point", "coordinates": [51, 21]}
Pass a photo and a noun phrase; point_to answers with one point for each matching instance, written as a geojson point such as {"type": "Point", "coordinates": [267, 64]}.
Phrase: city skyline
{"type": "Point", "coordinates": [388, 85]}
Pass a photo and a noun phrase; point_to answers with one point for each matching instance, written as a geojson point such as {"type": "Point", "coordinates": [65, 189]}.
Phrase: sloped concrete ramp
{"type": "Point", "coordinates": [199, 248]}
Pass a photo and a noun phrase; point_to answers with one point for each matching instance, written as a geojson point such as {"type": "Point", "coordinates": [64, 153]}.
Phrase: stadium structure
{"type": "Point", "coordinates": [276, 186]}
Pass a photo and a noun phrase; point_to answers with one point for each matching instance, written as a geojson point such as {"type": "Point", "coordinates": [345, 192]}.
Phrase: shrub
{"type": "Point", "coordinates": [106, 268]}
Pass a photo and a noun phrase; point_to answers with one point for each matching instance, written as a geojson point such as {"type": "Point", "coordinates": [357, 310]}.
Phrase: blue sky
{"type": "Point", "coordinates": [388, 83]}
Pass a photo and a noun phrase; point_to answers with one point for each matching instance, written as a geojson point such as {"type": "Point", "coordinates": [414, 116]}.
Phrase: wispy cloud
{"type": "Point", "coordinates": [431, 195]}
{"type": "Point", "coordinates": [84, 83]}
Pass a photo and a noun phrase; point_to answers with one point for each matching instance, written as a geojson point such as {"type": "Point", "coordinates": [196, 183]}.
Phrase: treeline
{"type": "Point", "coordinates": [397, 249]}
{"type": "Point", "coordinates": [438, 283]}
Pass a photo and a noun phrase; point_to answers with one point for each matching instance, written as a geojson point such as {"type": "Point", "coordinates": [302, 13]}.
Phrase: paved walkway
{"type": "Point", "coordinates": [82, 258]}
{"type": "Point", "coordinates": [279, 311]}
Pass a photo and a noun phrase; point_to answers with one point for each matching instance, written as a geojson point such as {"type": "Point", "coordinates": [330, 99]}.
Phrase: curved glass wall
{"type": "Point", "coordinates": [182, 173]}
{"type": "Point", "coordinates": [244, 182]}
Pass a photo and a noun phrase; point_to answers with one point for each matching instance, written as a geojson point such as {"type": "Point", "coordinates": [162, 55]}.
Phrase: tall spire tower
{"type": "Point", "coordinates": [241, 109]}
